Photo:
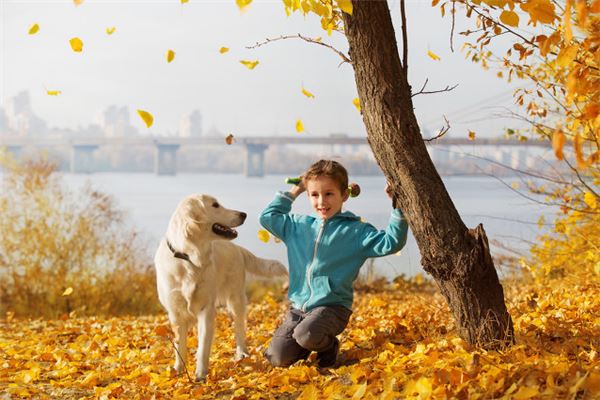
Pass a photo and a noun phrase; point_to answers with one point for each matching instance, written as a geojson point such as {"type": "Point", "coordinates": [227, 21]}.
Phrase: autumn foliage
{"type": "Point", "coordinates": [63, 252]}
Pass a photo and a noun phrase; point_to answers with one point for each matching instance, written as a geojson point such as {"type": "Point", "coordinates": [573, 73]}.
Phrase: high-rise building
{"type": "Point", "coordinates": [114, 121]}
{"type": "Point", "coordinates": [191, 125]}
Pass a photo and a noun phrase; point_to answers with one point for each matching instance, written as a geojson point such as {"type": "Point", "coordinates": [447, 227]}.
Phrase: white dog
{"type": "Point", "coordinates": [197, 268]}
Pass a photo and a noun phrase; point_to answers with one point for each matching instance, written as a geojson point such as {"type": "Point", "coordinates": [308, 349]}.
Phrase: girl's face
{"type": "Point", "coordinates": [325, 196]}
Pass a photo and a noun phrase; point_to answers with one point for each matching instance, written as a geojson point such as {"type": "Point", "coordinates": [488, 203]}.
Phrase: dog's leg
{"type": "Point", "coordinates": [237, 307]}
{"type": "Point", "coordinates": [206, 331]}
{"type": "Point", "coordinates": [180, 329]}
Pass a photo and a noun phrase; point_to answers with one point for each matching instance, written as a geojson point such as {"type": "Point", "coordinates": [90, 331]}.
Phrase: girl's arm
{"type": "Point", "coordinates": [276, 217]}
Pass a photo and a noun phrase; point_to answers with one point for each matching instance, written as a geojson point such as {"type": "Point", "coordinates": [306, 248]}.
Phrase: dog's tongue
{"type": "Point", "coordinates": [224, 231]}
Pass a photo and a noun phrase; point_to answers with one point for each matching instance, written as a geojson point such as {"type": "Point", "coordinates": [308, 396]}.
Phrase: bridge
{"type": "Point", "coordinates": [165, 148]}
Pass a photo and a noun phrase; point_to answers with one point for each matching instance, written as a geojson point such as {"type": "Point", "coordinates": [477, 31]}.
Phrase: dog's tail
{"type": "Point", "coordinates": [263, 267]}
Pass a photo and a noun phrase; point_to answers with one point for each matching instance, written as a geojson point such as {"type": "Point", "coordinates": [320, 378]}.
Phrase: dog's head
{"type": "Point", "coordinates": [202, 216]}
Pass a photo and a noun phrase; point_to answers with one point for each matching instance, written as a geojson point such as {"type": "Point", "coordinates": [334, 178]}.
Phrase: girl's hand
{"type": "Point", "coordinates": [298, 189]}
{"type": "Point", "coordinates": [388, 190]}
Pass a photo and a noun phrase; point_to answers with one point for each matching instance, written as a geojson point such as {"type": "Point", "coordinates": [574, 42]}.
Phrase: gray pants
{"type": "Point", "coordinates": [303, 332]}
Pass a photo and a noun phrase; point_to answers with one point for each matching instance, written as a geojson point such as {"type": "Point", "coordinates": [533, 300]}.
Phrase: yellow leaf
{"type": "Point", "coordinates": [567, 22]}
{"type": "Point", "coordinates": [514, 185]}
{"type": "Point", "coordinates": [525, 393]}
{"type": "Point", "coordinates": [184, 1]}
{"type": "Point", "coordinates": [78, 2]}
{"type": "Point", "coordinates": [539, 11]}
{"type": "Point", "coordinates": [146, 117]}
{"type": "Point", "coordinates": [229, 139]}
{"type": "Point", "coordinates": [263, 235]}
{"type": "Point", "coordinates": [33, 29]}
{"type": "Point", "coordinates": [243, 4]}
{"type": "Point", "coordinates": [345, 6]}
{"type": "Point", "coordinates": [567, 55]}
{"type": "Point", "coordinates": [590, 200]}
{"type": "Point", "coordinates": [433, 55]}
{"type": "Point", "coordinates": [223, 50]}
{"type": "Point", "coordinates": [581, 164]}
{"type": "Point", "coordinates": [170, 55]}
{"type": "Point", "coordinates": [558, 142]}
{"type": "Point", "coordinates": [249, 64]}
{"type": "Point", "coordinates": [76, 44]}
{"type": "Point", "coordinates": [53, 92]}
{"type": "Point", "coordinates": [509, 18]}
{"type": "Point", "coordinates": [299, 126]}
{"type": "Point", "coordinates": [360, 391]}
{"type": "Point", "coordinates": [307, 93]}
{"type": "Point", "coordinates": [471, 135]}
{"type": "Point", "coordinates": [356, 102]}
{"type": "Point", "coordinates": [68, 291]}
{"type": "Point", "coordinates": [421, 387]}
{"type": "Point", "coordinates": [110, 31]}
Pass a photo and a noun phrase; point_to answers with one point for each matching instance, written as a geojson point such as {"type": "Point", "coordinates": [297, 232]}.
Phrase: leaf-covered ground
{"type": "Point", "coordinates": [400, 344]}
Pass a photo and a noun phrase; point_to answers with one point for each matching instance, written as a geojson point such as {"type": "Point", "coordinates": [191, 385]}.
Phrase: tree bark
{"type": "Point", "coordinates": [458, 258]}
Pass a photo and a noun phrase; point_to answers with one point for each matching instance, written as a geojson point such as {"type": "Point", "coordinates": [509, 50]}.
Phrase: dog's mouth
{"type": "Point", "coordinates": [224, 231]}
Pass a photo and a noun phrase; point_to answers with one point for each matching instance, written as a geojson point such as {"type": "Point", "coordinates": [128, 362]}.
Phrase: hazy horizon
{"type": "Point", "coordinates": [128, 68]}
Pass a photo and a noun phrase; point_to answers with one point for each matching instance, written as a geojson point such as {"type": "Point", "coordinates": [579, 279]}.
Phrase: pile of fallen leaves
{"type": "Point", "coordinates": [400, 343]}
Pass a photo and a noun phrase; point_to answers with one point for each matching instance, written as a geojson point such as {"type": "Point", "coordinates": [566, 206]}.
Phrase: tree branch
{"type": "Point", "coordinates": [404, 39]}
{"type": "Point", "coordinates": [343, 56]}
{"type": "Point", "coordinates": [442, 132]}
{"type": "Point", "coordinates": [422, 91]}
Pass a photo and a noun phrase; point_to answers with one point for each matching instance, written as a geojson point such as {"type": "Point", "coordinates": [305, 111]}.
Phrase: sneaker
{"type": "Point", "coordinates": [328, 358]}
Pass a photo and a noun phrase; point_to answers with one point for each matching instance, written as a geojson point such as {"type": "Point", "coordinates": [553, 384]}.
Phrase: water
{"type": "Point", "coordinates": [150, 200]}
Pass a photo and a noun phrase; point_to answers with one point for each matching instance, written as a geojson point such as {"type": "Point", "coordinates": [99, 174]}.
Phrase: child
{"type": "Point", "coordinates": [325, 254]}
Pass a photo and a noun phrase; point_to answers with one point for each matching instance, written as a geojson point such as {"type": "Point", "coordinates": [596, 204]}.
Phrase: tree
{"type": "Point", "coordinates": [457, 258]}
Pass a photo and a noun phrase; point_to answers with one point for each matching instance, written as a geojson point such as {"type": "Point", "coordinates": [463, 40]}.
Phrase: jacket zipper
{"type": "Point", "coordinates": [310, 267]}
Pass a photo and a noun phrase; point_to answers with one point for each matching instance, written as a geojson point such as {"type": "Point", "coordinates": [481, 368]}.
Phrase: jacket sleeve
{"type": "Point", "coordinates": [376, 243]}
{"type": "Point", "coordinates": [276, 218]}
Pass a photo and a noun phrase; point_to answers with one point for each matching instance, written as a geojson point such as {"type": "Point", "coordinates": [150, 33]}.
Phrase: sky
{"type": "Point", "coordinates": [128, 68]}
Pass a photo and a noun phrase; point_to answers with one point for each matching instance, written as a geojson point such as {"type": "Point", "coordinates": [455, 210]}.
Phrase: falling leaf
{"type": "Point", "coordinates": [76, 44]}
{"type": "Point", "coordinates": [243, 4]}
{"type": "Point", "coordinates": [263, 235]}
{"type": "Point", "coordinates": [514, 185]}
{"type": "Point", "coordinates": [345, 6]}
{"type": "Point", "coordinates": [146, 117]}
{"type": "Point", "coordinates": [68, 291]}
{"type": "Point", "coordinates": [433, 55]}
{"type": "Point", "coordinates": [299, 126]}
{"type": "Point", "coordinates": [184, 1]}
{"type": "Point", "coordinates": [223, 50]}
{"type": "Point", "coordinates": [249, 64]}
{"type": "Point", "coordinates": [558, 142]}
{"type": "Point", "coordinates": [356, 102]}
{"type": "Point", "coordinates": [471, 135]}
{"type": "Point", "coordinates": [110, 31]}
{"type": "Point", "coordinates": [509, 18]}
{"type": "Point", "coordinates": [53, 92]}
{"type": "Point", "coordinates": [33, 29]}
{"type": "Point", "coordinates": [78, 2]}
{"type": "Point", "coordinates": [308, 94]}
{"type": "Point", "coordinates": [170, 55]}
{"type": "Point", "coordinates": [229, 139]}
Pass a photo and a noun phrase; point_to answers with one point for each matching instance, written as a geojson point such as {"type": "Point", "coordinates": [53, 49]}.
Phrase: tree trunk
{"type": "Point", "coordinates": [458, 258]}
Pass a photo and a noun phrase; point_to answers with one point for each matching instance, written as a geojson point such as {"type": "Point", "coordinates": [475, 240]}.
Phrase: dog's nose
{"type": "Point", "coordinates": [243, 216]}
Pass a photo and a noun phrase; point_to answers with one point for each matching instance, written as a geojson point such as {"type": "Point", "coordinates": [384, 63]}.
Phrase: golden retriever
{"type": "Point", "coordinates": [197, 268]}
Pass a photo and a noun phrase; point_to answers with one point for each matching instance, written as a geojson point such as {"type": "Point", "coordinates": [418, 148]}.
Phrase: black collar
{"type": "Point", "coordinates": [178, 254]}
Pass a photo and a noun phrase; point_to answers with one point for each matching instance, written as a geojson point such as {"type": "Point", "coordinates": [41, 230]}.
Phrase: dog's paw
{"type": "Point", "coordinates": [240, 355]}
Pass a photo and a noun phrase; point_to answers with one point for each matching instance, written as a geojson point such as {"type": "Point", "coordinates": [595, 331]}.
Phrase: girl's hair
{"type": "Point", "coordinates": [329, 168]}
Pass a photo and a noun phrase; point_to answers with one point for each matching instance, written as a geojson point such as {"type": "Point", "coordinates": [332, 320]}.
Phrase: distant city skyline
{"type": "Point", "coordinates": [128, 69]}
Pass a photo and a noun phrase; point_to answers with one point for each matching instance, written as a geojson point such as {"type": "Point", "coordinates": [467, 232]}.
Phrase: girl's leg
{"type": "Point", "coordinates": [284, 350]}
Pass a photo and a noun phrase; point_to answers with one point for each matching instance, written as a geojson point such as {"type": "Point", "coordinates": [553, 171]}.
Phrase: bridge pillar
{"type": "Point", "coordinates": [165, 159]}
{"type": "Point", "coordinates": [255, 160]}
{"type": "Point", "coordinates": [82, 158]}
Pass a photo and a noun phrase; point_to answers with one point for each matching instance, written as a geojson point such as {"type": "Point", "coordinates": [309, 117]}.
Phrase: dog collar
{"type": "Point", "coordinates": [178, 254]}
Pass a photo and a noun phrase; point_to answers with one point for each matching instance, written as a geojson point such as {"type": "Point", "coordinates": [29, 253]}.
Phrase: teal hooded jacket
{"type": "Point", "coordinates": [325, 256]}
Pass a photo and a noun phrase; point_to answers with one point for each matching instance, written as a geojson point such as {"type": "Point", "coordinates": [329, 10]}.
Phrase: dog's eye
{"type": "Point", "coordinates": [215, 205]}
